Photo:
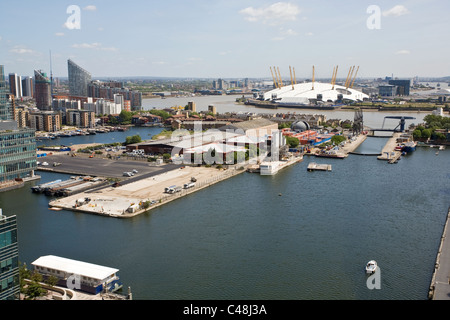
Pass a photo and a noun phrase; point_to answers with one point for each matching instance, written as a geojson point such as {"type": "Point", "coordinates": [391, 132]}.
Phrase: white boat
{"type": "Point", "coordinates": [371, 266]}
{"type": "Point", "coordinates": [441, 148]}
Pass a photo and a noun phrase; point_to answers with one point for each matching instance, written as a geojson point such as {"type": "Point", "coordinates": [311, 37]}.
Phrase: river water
{"type": "Point", "coordinates": [296, 235]}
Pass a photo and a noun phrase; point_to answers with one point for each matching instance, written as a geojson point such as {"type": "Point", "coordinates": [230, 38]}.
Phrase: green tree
{"type": "Point", "coordinates": [426, 133]}
{"type": "Point", "coordinates": [292, 142]}
{"type": "Point", "coordinates": [417, 134]}
{"type": "Point", "coordinates": [34, 288]}
{"type": "Point", "coordinates": [125, 117]}
{"type": "Point", "coordinates": [133, 139]}
{"type": "Point", "coordinates": [337, 139]}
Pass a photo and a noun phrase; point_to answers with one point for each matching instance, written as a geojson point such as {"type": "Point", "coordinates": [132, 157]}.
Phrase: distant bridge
{"type": "Point", "coordinates": [401, 124]}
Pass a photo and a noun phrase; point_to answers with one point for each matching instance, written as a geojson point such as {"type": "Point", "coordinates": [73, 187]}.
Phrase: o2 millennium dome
{"type": "Point", "coordinates": [313, 93]}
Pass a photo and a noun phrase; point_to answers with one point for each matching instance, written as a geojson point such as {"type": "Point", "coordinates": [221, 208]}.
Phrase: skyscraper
{"type": "Point", "coordinates": [79, 80]}
{"type": "Point", "coordinates": [27, 87]}
{"type": "Point", "coordinates": [15, 85]}
{"type": "Point", "coordinates": [42, 92]}
{"type": "Point", "coordinates": [9, 258]}
{"type": "Point", "coordinates": [5, 106]}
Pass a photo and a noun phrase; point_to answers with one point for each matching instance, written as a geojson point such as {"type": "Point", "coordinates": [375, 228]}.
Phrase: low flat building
{"type": "Point", "coordinates": [78, 275]}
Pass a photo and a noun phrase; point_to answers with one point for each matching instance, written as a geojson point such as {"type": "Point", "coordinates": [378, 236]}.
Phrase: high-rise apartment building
{"type": "Point", "coordinates": [27, 87]}
{"type": "Point", "coordinates": [79, 80]}
{"type": "Point", "coordinates": [15, 85]}
{"type": "Point", "coordinates": [5, 106]}
{"type": "Point", "coordinates": [9, 258]}
{"type": "Point", "coordinates": [42, 92]}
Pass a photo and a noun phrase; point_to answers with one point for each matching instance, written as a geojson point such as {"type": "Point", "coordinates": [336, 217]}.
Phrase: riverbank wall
{"type": "Point", "coordinates": [440, 282]}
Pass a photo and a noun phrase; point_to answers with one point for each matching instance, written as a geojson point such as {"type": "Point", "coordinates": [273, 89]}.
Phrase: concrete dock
{"type": "Point", "coordinates": [389, 153]}
{"type": "Point", "coordinates": [127, 200]}
{"type": "Point", "coordinates": [440, 283]}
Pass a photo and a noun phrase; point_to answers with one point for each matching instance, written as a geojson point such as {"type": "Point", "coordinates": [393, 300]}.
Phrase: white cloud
{"type": "Point", "coordinates": [403, 52]}
{"type": "Point", "coordinates": [90, 8]}
{"type": "Point", "coordinates": [20, 50]}
{"type": "Point", "coordinates": [95, 45]}
{"type": "Point", "coordinates": [284, 34]}
{"type": "Point", "coordinates": [59, 34]}
{"type": "Point", "coordinates": [274, 14]}
{"type": "Point", "coordinates": [396, 11]}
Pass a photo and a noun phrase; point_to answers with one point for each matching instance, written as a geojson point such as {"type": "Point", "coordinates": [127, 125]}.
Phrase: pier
{"type": "Point", "coordinates": [389, 153]}
{"type": "Point", "coordinates": [134, 198]}
{"type": "Point", "coordinates": [319, 167]}
{"type": "Point", "coordinates": [440, 283]}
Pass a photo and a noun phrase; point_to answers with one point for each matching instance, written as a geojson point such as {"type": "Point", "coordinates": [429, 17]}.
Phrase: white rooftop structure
{"type": "Point", "coordinates": [302, 93]}
{"type": "Point", "coordinates": [70, 266]}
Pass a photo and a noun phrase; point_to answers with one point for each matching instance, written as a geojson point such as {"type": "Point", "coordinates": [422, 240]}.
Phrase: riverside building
{"type": "Point", "coordinates": [17, 146]}
{"type": "Point", "coordinates": [9, 258]}
{"type": "Point", "coordinates": [79, 80]}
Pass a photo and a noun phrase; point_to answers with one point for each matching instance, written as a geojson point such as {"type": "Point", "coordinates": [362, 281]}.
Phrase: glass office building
{"type": "Point", "coordinates": [5, 106]}
{"type": "Point", "coordinates": [79, 80]}
{"type": "Point", "coordinates": [9, 258]}
{"type": "Point", "coordinates": [17, 146]}
{"type": "Point", "coordinates": [17, 154]}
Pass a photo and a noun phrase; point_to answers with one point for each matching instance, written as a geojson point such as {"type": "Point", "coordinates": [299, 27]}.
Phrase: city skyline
{"type": "Point", "coordinates": [226, 39]}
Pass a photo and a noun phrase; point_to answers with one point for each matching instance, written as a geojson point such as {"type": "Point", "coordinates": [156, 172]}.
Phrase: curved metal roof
{"type": "Point", "coordinates": [303, 92]}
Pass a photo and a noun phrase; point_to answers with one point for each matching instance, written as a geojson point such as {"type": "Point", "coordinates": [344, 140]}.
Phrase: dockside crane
{"type": "Point", "coordinates": [313, 78]}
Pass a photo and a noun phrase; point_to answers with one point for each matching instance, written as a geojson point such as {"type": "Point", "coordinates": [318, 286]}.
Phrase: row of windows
{"type": "Point", "coordinates": [20, 149]}
{"type": "Point", "coordinates": [8, 238]}
{"type": "Point", "coordinates": [45, 270]}
{"type": "Point", "coordinates": [9, 283]}
{"type": "Point", "coordinates": [22, 134]}
{"type": "Point", "coordinates": [9, 264]}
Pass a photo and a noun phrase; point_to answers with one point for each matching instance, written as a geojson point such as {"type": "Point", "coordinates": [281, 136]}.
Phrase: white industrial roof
{"type": "Point", "coordinates": [75, 267]}
{"type": "Point", "coordinates": [219, 147]}
{"type": "Point", "coordinates": [302, 92]}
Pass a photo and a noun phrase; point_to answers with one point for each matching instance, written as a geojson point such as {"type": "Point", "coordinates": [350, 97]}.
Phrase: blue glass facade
{"type": "Point", "coordinates": [17, 154]}
{"type": "Point", "coordinates": [5, 106]}
{"type": "Point", "coordinates": [9, 259]}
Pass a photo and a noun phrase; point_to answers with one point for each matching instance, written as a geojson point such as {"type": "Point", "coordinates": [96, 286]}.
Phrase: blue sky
{"type": "Point", "coordinates": [227, 38]}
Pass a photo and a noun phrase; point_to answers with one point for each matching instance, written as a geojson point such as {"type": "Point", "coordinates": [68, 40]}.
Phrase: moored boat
{"type": "Point", "coordinates": [371, 266]}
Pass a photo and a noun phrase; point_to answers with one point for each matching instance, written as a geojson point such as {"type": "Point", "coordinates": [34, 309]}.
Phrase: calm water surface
{"type": "Point", "coordinates": [296, 235]}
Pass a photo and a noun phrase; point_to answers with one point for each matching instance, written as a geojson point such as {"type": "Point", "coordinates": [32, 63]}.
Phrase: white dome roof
{"type": "Point", "coordinates": [302, 93]}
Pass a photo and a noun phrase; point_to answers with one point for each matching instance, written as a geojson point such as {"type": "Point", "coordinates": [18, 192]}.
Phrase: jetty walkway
{"type": "Point", "coordinates": [440, 283]}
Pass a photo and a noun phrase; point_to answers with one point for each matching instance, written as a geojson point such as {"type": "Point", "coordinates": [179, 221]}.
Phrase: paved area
{"type": "Point", "coordinates": [389, 152]}
{"type": "Point", "coordinates": [117, 201]}
{"type": "Point", "coordinates": [440, 286]}
{"type": "Point", "coordinates": [99, 166]}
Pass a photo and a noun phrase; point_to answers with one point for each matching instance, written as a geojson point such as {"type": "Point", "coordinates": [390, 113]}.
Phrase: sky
{"type": "Point", "coordinates": [226, 38]}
